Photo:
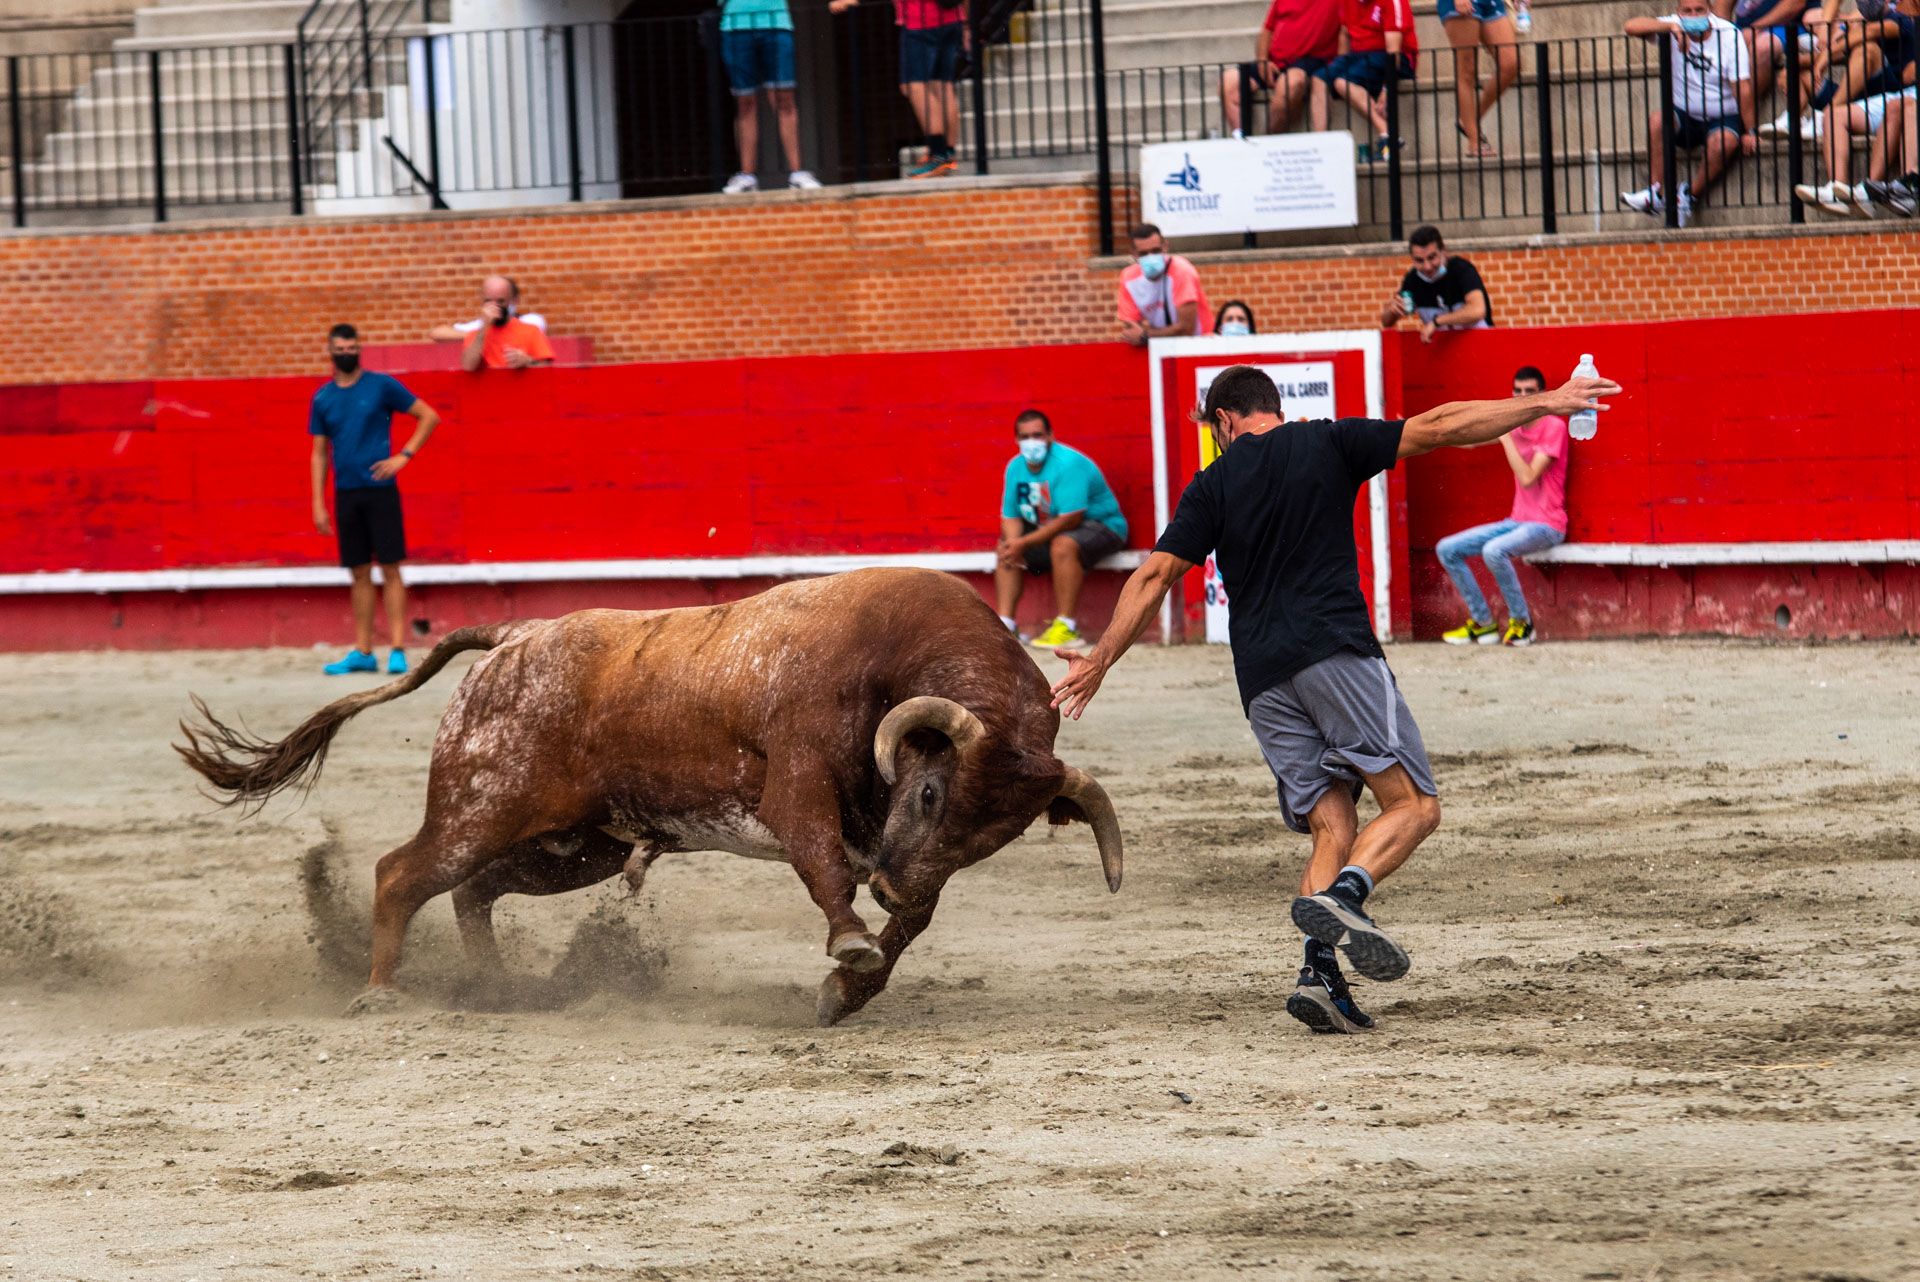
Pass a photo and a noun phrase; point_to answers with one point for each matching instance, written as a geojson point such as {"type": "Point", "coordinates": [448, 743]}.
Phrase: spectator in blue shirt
{"type": "Point", "coordinates": [1057, 513]}
{"type": "Point", "coordinates": [351, 423]}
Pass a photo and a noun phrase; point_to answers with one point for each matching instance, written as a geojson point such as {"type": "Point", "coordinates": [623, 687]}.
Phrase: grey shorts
{"type": "Point", "coordinates": [1332, 723]}
{"type": "Point", "coordinates": [1096, 541]}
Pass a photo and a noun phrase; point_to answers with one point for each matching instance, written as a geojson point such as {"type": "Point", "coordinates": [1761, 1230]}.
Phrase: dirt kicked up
{"type": "Point", "coordinates": [1663, 1021]}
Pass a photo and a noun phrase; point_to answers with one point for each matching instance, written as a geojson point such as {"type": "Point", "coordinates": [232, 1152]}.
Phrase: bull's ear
{"type": "Point", "coordinates": [1065, 810]}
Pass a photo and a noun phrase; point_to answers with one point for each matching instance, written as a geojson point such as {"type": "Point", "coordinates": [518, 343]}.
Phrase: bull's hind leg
{"type": "Point", "coordinates": [549, 865]}
{"type": "Point", "coordinates": [845, 990]}
{"type": "Point", "coordinates": [433, 862]}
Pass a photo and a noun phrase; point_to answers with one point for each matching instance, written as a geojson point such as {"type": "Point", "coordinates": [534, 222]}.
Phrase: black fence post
{"type": "Point", "coordinates": [16, 141]}
{"type": "Point", "coordinates": [154, 115]}
{"type": "Point", "coordinates": [366, 49]}
{"type": "Point", "coordinates": [1670, 193]}
{"type": "Point", "coordinates": [1102, 128]}
{"type": "Point", "coordinates": [977, 74]}
{"type": "Point", "coordinates": [575, 190]}
{"type": "Point", "coordinates": [1543, 82]}
{"type": "Point", "coordinates": [1396, 215]}
{"type": "Point", "coordinates": [290, 67]}
{"type": "Point", "coordinates": [1796, 148]}
{"type": "Point", "coordinates": [719, 109]}
{"type": "Point", "coordinates": [432, 76]}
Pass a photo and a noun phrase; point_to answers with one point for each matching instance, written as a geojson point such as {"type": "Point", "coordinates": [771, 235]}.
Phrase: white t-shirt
{"type": "Point", "coordinates": [1706, 73]}
{"type": "Point", "coordinates": [534, 319]}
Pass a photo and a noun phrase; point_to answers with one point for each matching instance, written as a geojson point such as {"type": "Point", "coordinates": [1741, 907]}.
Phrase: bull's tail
{"type": "Point", "coordinates": [244, 769]}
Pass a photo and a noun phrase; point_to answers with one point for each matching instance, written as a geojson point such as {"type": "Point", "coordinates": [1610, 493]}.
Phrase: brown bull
{"type": "Point", "coordinates": [879, 727]}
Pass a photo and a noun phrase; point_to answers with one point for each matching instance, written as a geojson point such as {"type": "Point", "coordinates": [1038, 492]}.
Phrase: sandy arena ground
{"type": "Point", "coordinates": [1661, 1024]}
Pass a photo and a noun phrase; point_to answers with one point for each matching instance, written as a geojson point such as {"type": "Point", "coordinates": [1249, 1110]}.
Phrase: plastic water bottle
{"type": "Point", "coordinates": [1523, 17]}
{"type": "Point", "coordinates": [1584, 424]}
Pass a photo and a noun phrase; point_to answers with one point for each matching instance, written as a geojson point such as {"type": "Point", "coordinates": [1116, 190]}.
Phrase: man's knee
{"type": "Point", "coordinates": [361, 573]}
{"type": "Point", "coordinates": [1424, 810]}
{"type": "Point", "coordinates": [1064, 547]}
{"type": "Point", "coordinates": [1330, 820]}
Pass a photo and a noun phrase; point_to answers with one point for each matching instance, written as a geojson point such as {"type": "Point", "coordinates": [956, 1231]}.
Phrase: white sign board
{"type": "Point", "coordinates": [1306, 391]}
{"type": "Point", "coordinates": [1275, 182]}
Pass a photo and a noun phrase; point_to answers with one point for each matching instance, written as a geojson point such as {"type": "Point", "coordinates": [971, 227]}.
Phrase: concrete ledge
{"type": "Point", "coordinates": [1867, 552]}
{"type": "Point", "coordinates": [332, 576]}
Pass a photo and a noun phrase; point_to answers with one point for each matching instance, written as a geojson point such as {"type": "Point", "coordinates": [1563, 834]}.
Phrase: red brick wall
{"type": "Point", "coordinates": [944, 267]}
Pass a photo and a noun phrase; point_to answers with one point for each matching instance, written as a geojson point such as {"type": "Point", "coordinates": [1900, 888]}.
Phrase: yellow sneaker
{"type": "Point", "coordinates": [1517, 633]}
{"type": "Point", "coordinates": [1057, 634]}
{"type": "Point", "coordinates": [1472, 633]}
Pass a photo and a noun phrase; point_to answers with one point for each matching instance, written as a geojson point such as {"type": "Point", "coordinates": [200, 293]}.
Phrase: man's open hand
{"type": "Point", "coordinates": [1073, 692]}
{"type": "Point", "coordinates": [517, 359]}
{"type": "Point", "coordinates": [386, 468]}
{"type": "Point", "coordinates": [1578, 394]}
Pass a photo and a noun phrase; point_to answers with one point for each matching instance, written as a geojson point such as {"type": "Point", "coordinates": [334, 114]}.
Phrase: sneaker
{"type": "Point", "coordinates": [1058, 634]}
{"type": "Point", "coordinates": [1834, 198]}
{"type": "Point", "coordinates": [1648, 201]}
{"type": "Point", "coordinates": [803, 180]}
{"type": "Point", "coordinates": [1897, 196]}
{"type": "Point", "coordinates": [934, 165]}
{"type": "Point", "coordinates": [1384, 147]}
{"type": "Point", "coordinates": [1335, 922]}
{"type": "Point", "coordinates": [1472, 633]}
{"type": "Point", "coordinates": [1860, 198]}
{"type": "Point", "coordinates": [741, 183]}
{"type": "Point", "coordinates": [1325, 1004]}
{"type": "Point", "coordinates": [1519, 632]}
{"type": "Point", "coordinates": [397, 663]}
{"type": "Point", "coordinates": [352, 661]}
{"type": "Point", "coordinates": [1686, 205]}
{"type": "Point", "coordinates": [1780, 126]}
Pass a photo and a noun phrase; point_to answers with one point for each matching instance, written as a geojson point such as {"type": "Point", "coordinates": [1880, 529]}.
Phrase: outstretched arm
{"type": "Point", "coordinates": [1139, 602]}
{"type": "Point", "coordinates": [1477, 422]}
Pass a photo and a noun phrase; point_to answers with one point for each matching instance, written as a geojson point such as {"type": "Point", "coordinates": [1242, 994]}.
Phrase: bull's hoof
{"type": "Point", "coordinates": [831, 1006]}
{"type": "Point", "coordinates": [857, 952]}
{"type": "Point", "coordinates": [375, 1001]}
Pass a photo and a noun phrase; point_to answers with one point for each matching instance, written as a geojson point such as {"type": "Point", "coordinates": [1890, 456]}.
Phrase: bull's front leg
{"type": "Point", "coordinates": [800, 809]}
{"type": "Point", "coordinates": [846, 990]}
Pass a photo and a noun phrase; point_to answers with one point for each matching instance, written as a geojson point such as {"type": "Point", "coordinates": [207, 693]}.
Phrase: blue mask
{"type": "Point", "coordinates": [1153, 266]}
{"type": "Point", "coordinates": [1034, 450]}
{"type": "Point", "coordinates": [1696, 26]}
{"type": "Point", "coordinates": [1235, 329]}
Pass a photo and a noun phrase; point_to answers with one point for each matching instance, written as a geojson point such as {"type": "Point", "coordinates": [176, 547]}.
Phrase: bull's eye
{"type": "Point", "coordinates": [926, 796]}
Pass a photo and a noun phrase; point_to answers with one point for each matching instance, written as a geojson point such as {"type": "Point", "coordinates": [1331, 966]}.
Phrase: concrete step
{"type": "Point", "coordinates": [242, 144]}
{"type": "Point", "coordinates": [215, 23]}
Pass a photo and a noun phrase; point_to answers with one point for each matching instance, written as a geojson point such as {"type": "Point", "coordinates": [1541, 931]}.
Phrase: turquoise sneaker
{"type": "Point", "coordinates": [352, 661]}
{"type": "Point", "coordinates": [397, 663]}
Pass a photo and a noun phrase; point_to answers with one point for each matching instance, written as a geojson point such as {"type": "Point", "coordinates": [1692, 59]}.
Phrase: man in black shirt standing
{"type": "Point", "coordinates": [1276, 510]}
{"type": "Point", "coordinates": [1440, 290]}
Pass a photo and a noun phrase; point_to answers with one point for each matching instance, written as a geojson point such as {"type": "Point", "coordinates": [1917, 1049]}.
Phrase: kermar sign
{"type": "Point", "coordinates": [1280, 182]}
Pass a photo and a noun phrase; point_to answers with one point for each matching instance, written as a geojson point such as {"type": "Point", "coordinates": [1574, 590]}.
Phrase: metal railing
{"type": "Point", "coordinates": [384, 116]}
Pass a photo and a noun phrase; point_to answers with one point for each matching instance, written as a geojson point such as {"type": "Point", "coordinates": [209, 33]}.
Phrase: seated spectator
{"type": "Point", "coordinates": [1297, 39]}
{"type": "Point", "coordinates": [1863, 48]}
{"type": "Point", "coordinates": [1765, 24]}
{"type": "Point", "coordinates": [1377, 41]}
{"type": "Point", "coordinates": [1713, 106]}
{"type": "Point", "coordinates": [1234, 320]}
{"type": "Point", "coordinates": [1883, 121]}
{"type": "Point", "coordinates": [503, 341]}
{"type": "Point", "coordinates": [1440, 291]}
{"type": "Point", "coordinates": [1056, 513]}
{"type": "Point", "coordinates": [1900, 135]}
{"type": "Point", "coordinates": [756, 43]}
{"type": "Point", "coordinates": [1160, 294]}
{"type": "Point", "coordinates": [1537, 456]}
{"type": "Point", "coordinates": [1469, 24]}
{"type": "Point", "coordinates": [458, 331]}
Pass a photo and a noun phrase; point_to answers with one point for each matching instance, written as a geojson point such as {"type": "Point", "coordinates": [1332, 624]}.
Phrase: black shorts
{"type": "Point", "coordinates": [368, 524]}
{"type": "Point", "coordinates": [1096, 541]}
{"type": "Point", "coordinates": [931, 54]}
{"type": "Point", "coordinates": [1690, 133]}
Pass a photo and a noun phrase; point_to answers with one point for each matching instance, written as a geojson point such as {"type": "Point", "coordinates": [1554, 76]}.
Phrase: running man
{"type": "Point", "coordinates": [1276, 509]}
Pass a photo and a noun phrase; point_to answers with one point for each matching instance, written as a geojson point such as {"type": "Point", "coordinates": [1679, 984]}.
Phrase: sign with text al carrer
{"type": "Point", "coordinates": [1277, 182]}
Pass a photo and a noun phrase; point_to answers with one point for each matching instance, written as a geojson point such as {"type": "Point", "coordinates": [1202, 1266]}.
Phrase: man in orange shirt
{"type": "Point", "coordinates": [503, 341]}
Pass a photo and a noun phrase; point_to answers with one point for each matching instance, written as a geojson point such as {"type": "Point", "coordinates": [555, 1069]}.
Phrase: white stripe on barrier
{"type": "Point", "coordinates": [329, 576]}
{"type": "Point", "coordinates": [1860, 552]}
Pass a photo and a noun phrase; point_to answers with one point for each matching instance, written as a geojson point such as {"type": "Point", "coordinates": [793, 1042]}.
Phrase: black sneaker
{"type": "Point", "coordinates": [1323, 1003]}
{"type": "Point", "coordinates": [1335, 922]}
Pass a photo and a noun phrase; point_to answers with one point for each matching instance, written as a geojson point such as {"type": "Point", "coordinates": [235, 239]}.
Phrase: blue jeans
{"type": "Point", "coordinates": [1497, 544]}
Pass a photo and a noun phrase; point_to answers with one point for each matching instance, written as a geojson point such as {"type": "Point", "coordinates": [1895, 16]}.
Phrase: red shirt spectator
{"type": "Point", "coordinates": [921, 15]}
{"type": "Point", "coordinates": [1302, 29]}
{"type": "Point", "coordinates": [1368, 21]}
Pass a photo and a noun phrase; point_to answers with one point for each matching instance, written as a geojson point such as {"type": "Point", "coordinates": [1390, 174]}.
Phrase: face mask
{"type": "Point", "coordinates": [1153, 266]}
{"type": "Point", "coordinates": [1235, 329]}
{"type": "Point", "coordinates": [1696, 26]}
{"type": "Point", "coordinates": [346, 362]}
{"type": "Point", "coordinates": [1033, 450]}
{"type": "Point", "coordinates": [1430, 279]}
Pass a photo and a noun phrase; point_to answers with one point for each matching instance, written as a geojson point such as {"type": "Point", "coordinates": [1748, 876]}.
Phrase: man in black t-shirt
{"type": "Point", "coordinates": [1276, 510]}
{"type": "Point", "coordinates": [1440, 290]}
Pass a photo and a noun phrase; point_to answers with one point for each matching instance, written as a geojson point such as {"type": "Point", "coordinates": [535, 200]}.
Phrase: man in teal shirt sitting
{"type": "Point", "coordinates": [1057, 513]}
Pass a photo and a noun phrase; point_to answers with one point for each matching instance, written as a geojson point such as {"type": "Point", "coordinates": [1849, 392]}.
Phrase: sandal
{"type": "Point", "coordinates": [1486, 150]}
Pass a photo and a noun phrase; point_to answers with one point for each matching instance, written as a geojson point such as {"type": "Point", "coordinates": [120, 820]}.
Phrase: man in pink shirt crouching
{"type": "Point", "coordinates": [1537, 455]}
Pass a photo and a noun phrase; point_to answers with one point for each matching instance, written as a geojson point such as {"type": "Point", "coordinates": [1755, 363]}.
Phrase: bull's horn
{"type": "Point", "coordinates": [924, 712]}
{"type": "Point", "coordinates": [1085, 791]}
